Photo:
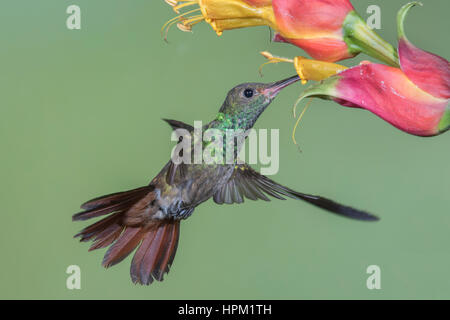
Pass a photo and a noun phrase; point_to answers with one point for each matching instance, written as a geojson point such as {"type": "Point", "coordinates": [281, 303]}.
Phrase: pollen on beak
{"type": "Point", "coordinates": [272, 90]}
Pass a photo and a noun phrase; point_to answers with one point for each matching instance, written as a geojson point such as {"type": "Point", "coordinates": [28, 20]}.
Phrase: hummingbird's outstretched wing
{"type": "Point", "coordinates": [173, 168]}
{"type": "Point", "coordinates": [247, 183]}
{"type": "Point", "coordinates": [175, 124]}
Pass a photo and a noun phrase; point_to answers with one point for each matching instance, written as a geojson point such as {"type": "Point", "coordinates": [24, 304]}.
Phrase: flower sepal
{"type": "Point", "coordinates": [360, 38]}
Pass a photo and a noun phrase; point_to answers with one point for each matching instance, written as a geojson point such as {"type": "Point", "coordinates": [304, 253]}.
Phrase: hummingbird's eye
{"type": "Point", "coordinates": [248, 93]}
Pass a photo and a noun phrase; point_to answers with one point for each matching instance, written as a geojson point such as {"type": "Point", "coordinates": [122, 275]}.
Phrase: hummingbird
{"type": "Point", "coordinates": [148, 218]}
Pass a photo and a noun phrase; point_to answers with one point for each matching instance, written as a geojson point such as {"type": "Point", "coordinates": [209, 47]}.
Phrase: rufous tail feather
{"type": "Point", "coordinates": [156, 240]}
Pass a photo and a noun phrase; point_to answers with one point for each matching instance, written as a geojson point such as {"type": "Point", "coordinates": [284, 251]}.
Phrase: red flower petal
{"type": "Point", "coordinates": [325, 49]}
{"type": "Point", "coordinates": [277, 37]}
{"type": "Point", "coordinates": [388, 93]}
{"type": "Point", "coordinates": [428, 71]}
{"type": "Point", "coordinates": [314, 25]}
{"type": "Point", "coordinates": [303, 18]}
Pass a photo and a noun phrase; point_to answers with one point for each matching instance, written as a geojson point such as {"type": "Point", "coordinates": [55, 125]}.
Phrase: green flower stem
{"type": "Point", "coordinates": [325, 89]}
{"type": "Point", "coordinates": [444, 124]}
{"type": "Point", "coordinates": [360, 38]}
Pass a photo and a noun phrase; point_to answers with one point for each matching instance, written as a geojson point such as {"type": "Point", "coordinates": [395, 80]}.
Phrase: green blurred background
{"type": "Point", "coordinates": [81, 116]}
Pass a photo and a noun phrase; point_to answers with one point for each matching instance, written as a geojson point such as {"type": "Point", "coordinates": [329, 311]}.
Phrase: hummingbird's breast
{"type": "Point", "coordinates": [183, 187]}
{"type": "Point", "coordinates": [192, 185]}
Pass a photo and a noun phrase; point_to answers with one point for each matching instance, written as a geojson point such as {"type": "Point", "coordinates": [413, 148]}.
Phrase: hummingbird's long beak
{"type": "Point", "coordinates": [272, 90]}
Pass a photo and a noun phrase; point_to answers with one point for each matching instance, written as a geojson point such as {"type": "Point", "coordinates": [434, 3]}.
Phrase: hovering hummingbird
{"type": "Point", "coordinates": [148, 218]}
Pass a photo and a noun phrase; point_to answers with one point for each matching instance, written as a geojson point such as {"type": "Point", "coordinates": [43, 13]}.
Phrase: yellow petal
{"type": "Point", "coordinates": [230, 14]}
{"type": "Point", "coordinates": [309, 69]}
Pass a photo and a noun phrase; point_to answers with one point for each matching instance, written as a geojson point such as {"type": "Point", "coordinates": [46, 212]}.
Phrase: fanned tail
{"type": "Point", "coordinates": [156, 253]}
{"type": "Point", "coordinates": [115, 202]}
{"type": "Point", "coordinates": [156, 240]}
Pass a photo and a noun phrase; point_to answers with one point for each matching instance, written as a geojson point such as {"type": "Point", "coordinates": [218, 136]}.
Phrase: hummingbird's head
{"type": "Point", "coordinates": [246, 102]}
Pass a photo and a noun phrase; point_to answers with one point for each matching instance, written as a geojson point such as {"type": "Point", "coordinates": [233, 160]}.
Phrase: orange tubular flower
{"type": "Point", "coordinates": [315, 26]}
{"type": "Point", "coordinates": [328, 30]}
